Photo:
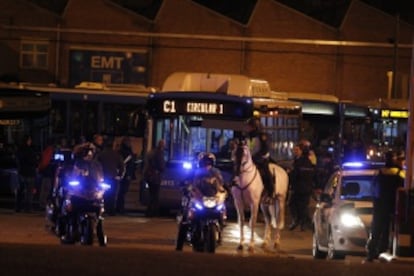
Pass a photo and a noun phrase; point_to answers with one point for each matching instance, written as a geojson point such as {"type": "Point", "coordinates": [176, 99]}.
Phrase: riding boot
{"type": "Point", "coordinates": [292, 226]}
{"type": "Point", "coordinates": [267, 182]}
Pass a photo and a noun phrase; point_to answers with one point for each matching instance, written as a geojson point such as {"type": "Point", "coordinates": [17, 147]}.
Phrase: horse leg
{"type": "Point", "coordinates": [241, 226]}
{"type": "Point", "coordinates": [240, 220]}
{"type": "Point", "coordinates": [267, 230]}
{"type": "Point", "coordinates": [280, 205]}
{"type": "Point", "coordinates": [276, 242]}
{"type": "Point", "coordinates": [281, 212]}
{"type": "Point", "coordinates": [254, 209]}
{"type": "Point", "coordinates": [273, 216]}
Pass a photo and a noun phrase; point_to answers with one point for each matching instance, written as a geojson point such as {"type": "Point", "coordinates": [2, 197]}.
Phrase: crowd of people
{"type": "Point", "coordinates": [37, 172]}
{"type": "Point", "coordinates": [118, 165]}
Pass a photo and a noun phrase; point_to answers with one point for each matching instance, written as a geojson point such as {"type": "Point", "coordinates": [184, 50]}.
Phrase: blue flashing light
{"type": "Point", "coordinates": [74, 183]}
{"type": "Point", "coordinates": [220, 207]}
{"type": "Point", "coordinates": [105, 186]}
{"type": "Point", "coordinates": [353, 164]}
{"type": "Point", "coordinates": [199, 206]}
{"type": "Point", "coordinates": [187, 165]}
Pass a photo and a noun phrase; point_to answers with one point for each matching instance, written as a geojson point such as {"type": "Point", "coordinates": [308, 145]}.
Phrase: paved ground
{"type": "Point", "coordinates": [18, 259]}
{"type": "Point", "coordinates": [26, 249]}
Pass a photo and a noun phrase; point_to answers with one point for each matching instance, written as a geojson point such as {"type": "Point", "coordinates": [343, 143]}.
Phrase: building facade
{"type": "Point", "coordinates": [101, 41]}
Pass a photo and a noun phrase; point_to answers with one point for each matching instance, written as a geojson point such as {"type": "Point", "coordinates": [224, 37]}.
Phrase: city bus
{"type": "Point", "coordinates": [113, 110]}
{"type": "Point", "coordinates": [71, 115]}
{"type": "Point", "coordinates": [197, 112]}
{"type": "Point", "coordinates": [333, 126]}
{"type": "Point", "coordinates": [390, 125]}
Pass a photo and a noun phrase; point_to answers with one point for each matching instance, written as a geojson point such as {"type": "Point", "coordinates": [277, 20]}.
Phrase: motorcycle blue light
{"type": "Point", "coordinates": [187, 165]}
{"type": "Point", "coordinates": [105, 186]}
{"type": "Point", "coordinates": [74, 183]}
{"type": "Point", "coordinates": [220, 207]}
{"type": "Point", "coordinates": [199, 206]}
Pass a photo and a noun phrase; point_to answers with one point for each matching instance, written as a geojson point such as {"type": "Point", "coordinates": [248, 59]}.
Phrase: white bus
{"type": "Point", "coordinates": [202, 112]}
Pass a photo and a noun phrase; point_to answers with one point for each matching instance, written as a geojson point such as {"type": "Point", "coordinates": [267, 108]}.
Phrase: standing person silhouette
{"type": "Point", "coordinates": [154, 167]}
{"type": "Point", "coordinates": [113, 169]}
{"type": "Point", "coordinates": [389, 179]}
{"type": "Point", "coordinates": [301, 179]}
{"type": "Point", "coordinates": [27, 163]}
{"type": "Point", "coordinates": [129, 158]}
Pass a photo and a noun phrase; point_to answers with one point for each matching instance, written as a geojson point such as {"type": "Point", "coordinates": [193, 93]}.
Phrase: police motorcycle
{"type": "Point", "coordinates": [203, 212]}
{"type": "Point", "coordinates": [83, 204]}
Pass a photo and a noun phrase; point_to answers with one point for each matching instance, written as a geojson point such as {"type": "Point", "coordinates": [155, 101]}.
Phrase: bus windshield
{"type": "Point", "coordinates": [187, 136]}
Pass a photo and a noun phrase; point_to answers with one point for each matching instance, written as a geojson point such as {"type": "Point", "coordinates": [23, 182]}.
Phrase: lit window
{"type": "Point", "coordinates": [34, 54]}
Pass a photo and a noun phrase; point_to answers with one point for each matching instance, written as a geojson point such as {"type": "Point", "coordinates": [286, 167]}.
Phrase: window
{"type": "Point", "coordinates": [186, 136]}
{"type": "Point", "coordinates": [34, 54]}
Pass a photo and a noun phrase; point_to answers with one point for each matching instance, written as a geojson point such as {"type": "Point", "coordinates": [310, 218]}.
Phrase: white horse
{"type": "Point", "coordinates": [247, 191]}
{"type": "Point", "coordinates": [274, 209]}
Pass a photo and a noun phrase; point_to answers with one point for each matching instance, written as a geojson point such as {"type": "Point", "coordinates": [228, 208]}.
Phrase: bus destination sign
{"type": "Point", "coordinates": [387, 113]}
{"type": "Point", "coordinates": [170, 106]}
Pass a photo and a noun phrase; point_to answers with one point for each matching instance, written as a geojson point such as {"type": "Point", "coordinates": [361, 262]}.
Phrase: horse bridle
{"type": "Point", "coordinates": [246, 170]}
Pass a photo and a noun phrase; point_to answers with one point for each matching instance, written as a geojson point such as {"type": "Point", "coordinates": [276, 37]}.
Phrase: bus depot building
{"type": "Point", "coordinates": [104, 41]}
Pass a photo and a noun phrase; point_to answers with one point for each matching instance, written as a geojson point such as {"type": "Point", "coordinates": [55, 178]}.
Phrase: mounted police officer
{"type": "Point", "coordinates": [389, 179]}
{"type": "Point", "coordinates": [258, 143]}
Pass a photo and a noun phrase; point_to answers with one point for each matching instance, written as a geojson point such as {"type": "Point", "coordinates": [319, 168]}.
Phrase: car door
{"type": "Point", "coordinates": [325, 208]}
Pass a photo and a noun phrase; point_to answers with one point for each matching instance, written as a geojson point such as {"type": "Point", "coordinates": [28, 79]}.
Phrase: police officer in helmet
{"type": "Point", "coordinates": [389, 179]}
{"type": "Point", "coordinates": [258, 143]}
{"type": "Point", "coordinates": [208, 180]}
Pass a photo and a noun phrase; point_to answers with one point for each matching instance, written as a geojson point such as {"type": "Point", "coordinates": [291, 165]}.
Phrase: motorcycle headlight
{"type": "Point", "coordinates": [74, 183]}
{"type": "Point", "coordinates": [351, 220]}
{"type": "Point", "coordinates": [209, 202]}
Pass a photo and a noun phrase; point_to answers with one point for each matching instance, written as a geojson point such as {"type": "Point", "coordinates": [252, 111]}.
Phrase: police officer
{"type": "Point", "coordinates": [301, 182]}
{"type": "Point", "coordinates": [113, 168]}
{"type": "Point", "coordinates": [389, 179]}
{"type": "Point", "coordinates": [153, 169]}
{"type": "Point", "coordinates": [259, 147]}
{"type": "Point", "coordinates": [208, 180]}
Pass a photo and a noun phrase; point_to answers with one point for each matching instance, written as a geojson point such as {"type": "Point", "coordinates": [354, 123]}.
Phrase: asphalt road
{"type": "Point", "coordinates": [140, 246]}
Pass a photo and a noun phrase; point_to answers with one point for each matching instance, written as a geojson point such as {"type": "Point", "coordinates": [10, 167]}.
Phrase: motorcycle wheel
{"type": "Point", "coordinates": [182, 232]}
{"type": "Point", "coordinates": [211, 239]}
{"type": "Point", "coordinates": [197, 239]}
{"type": "Point", "coordinates": [87, 231]}
{"type": "Point", "coordinates": [69, 234]}
{"type": "Point", "coordinates": [60, 227]}
{"type": "Point", "coordinates": [102, 239]}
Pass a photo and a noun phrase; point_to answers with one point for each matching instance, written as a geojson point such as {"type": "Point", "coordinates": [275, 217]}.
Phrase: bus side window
{"type": "Point", "coordinates": [137, 121]}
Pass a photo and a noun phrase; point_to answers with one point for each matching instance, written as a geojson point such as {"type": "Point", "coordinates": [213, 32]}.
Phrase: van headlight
{"type": "Point", "coordinates": [351, 220]}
